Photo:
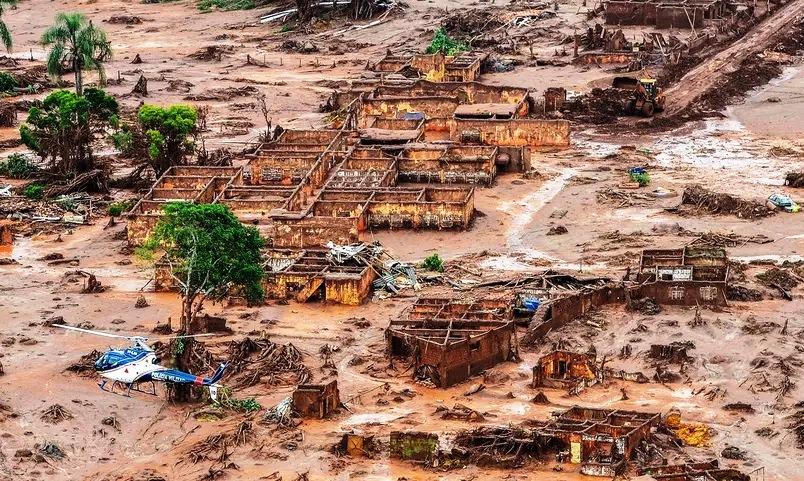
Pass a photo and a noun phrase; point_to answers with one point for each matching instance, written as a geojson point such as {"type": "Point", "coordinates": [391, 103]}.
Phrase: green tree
{"type": "Point", "coordinates": [168, 132]}
{"type": "Point", "coordinates": [210, 254]}
{"type": "Point", "coordinates": [445, 44]}
{"type": "Point", "coordinates": [64, 128]}
{"type": "Point", "coordinates": [5, 34]}
{"type": "Point", "coordinates": [75, 41]}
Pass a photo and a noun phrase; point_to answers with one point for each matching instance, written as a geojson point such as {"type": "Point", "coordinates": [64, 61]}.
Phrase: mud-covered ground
{"type": "Point", "coordinates": [738, 350]}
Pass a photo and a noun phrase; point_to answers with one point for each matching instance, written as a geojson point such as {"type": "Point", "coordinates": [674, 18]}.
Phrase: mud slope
{"type": "Point", "coordinates": [714, 72]}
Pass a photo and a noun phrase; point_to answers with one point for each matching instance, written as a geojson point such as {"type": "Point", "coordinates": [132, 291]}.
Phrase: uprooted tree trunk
{"type": "Point", "coordinates": [304, 9]}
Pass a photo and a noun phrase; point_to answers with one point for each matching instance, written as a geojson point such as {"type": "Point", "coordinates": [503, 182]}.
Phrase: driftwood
{"type": "Point", "coordinates": [56, 414]}
{"type": "Point", "coordinates": [94, 179]}
{"type": "Point", "coordinates": [724, 204]}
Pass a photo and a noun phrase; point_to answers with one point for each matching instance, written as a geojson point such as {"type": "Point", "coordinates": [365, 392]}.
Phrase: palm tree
{"type": "Point", "coordinates": [77, 42]}
{"type": "Point", "coordinates": [5, 34]}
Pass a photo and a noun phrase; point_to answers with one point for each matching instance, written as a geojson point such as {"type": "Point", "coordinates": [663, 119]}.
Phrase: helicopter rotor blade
{"type": "Point", "coordinates": [184, 336]}
{"type": "Point", "coordinates": [89, 331]}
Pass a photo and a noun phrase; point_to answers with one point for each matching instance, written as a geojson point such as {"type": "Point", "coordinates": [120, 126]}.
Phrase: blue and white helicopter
{"type": "Point", "coordinates": [132, 366]}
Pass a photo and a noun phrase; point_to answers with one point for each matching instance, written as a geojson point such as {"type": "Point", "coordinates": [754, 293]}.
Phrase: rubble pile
{"type": "Point", "coordinates": [501, 446]}
{"type": "Point", "coordinates": [724, 204]}
{"type": "Point", "coordinates": [599, 106]}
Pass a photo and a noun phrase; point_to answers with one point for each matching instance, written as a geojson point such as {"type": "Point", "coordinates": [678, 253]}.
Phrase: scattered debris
{"type": "Point", "coordinates": [56, 414]}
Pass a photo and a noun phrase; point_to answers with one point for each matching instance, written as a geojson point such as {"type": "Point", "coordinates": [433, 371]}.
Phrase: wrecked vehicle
{"type": "Point", "coordinates": [784, 202]}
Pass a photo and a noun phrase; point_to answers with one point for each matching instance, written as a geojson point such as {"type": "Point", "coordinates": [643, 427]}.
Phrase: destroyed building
{"type": "Point", "coordinates": [601, 442]}
{"type": "Point", "coordinates": [445, 352]}
{"type": "Point", "coordinates": [463, 67]}
{"type": "Point", "coordinates": [406, 156]}
{"type": "Point", "coordinates": [694, 471]}
{"type": "Point", "coordinates": [316, 400]}
{"type": "Point", "coordinates": [685, 14]}
{"type": "Point", "coordinates": [563, 369]}
{"type": "Point", "coordinates": [689, 276]}
{"type": "Point", "coordinates": [341, 274]}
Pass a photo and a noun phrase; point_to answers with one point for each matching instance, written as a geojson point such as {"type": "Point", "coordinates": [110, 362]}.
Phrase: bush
{"type": "Point", "coordinates": [641, 178]}
{"type": "Point", "coordinates": [249, 405]}
{"type": "Point", "coordinates": [207, 5]}
{"type": "Point", "coordinates": [123, 140]}
{"type": "Point", "coordinates": [17, 166]}
{"type": "Point", "coordinates": [34, 191]}
{"type": "Point", "coordinates": [7, 82]}
{"type": "Point", "coordinates": [434, 263]}
{"type": "Point", "coordinates": [444, 44]}
{"type": "Point", "coordinates": [117, 208]}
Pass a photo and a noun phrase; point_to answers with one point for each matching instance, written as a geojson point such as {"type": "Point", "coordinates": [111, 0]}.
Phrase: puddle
{"type": "Point", "coordinates": [379, 418]}
{"type": "Point", "coordinates": [516, 408]}
{"type": "Point", "coordinates": [710, 147]}
{"type": "Point", "coordinates": [505, 263]}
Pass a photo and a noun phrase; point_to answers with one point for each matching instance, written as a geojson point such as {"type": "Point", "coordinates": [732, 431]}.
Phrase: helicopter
{"type": "Point", "coordinates": [130, 367]}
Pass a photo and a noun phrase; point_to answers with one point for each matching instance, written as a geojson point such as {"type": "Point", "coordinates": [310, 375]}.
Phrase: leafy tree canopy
{"type": "Point", "coordinates": [167, 130]}
{"type": "Point", "coordinates": [210, 253]}
{"type": "Point", "coordinates": [76, 41]}
{"type": "Point", "coordinates": [65, 126]}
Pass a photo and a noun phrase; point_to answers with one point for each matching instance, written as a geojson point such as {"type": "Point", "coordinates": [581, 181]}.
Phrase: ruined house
{"type": "Point", "coordinates": [446, 352]}
{"type": "Point", "coordinates": [602, 441]}
{"type": "Point", "coordinates": [689, 276]}
{"type": "Point", "coordinates": [564, 369]}
{"type": "Point", "coordinates": [308, 274]}
{"type": "Point", "coordinates": [679, 14]}
{"type": "Point", "coordinates": [316, 400]}
{"type": "Point", "coordinates": [437, 67]}
{"type": "Point", "coordinates": [448, 308]}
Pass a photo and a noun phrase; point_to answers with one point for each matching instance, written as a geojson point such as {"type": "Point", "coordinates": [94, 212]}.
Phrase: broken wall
{"type": "Point", "coordinates": [469, 357]}
{"type": "Point", "coordinates": [513, 132]}
{"type": "Point", "coordinates": [316, 400]}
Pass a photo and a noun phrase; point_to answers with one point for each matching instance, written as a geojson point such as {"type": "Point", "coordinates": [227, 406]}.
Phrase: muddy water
{"type": "Point", "coordinates": [780, 119]}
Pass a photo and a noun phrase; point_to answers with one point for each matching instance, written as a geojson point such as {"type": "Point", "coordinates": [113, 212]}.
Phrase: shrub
{"type": "Point", "coordinates": [123, 140]}
{"type": "Point", "coordinates": [34, 191]}
{"type": "Point", "coordinates": [434, 263]}
{"type": "Point", "coordinates": [117, 208]}
{"type": "Point", "coordinates": [249, 405]}
{"type": "Point", "coordinates": [641, 178]}
{"type": "Point", "coordinates": [444, 44]}
{"type": "Point", "coordinates": [17, 166]}
{"type": "Point", "coordinates": [7, 82]}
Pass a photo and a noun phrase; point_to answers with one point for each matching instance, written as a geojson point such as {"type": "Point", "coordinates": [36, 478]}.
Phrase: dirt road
{"type": "Point", "coordinates": [713, 72]}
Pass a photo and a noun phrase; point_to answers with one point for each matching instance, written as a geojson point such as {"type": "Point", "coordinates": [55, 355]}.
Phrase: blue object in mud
{"type": "Point", "coordinates": [531, 303]}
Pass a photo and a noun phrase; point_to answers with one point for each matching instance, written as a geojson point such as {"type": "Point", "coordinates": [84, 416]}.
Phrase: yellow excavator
{"type": "Point", "coordinates": [646, 97]}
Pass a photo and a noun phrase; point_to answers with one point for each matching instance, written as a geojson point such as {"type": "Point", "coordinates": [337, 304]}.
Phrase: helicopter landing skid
{"type": "Point", "coordinates": [127, 388]}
